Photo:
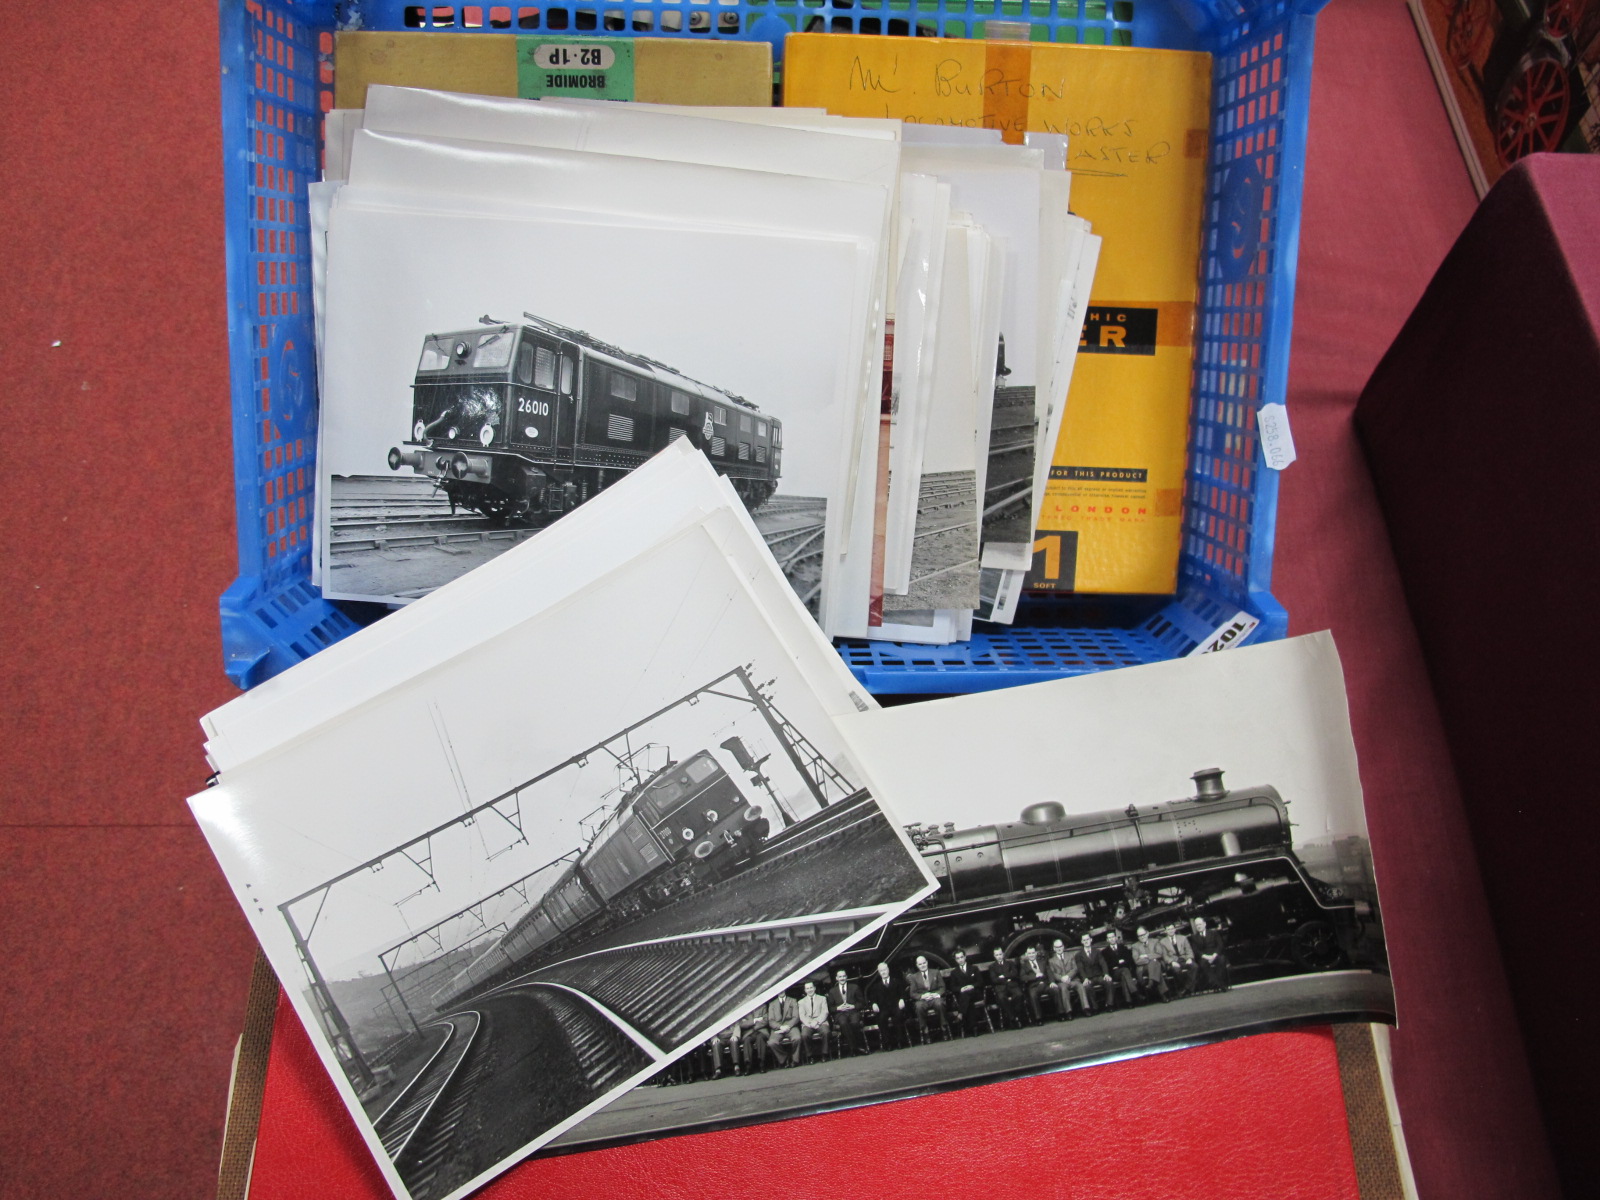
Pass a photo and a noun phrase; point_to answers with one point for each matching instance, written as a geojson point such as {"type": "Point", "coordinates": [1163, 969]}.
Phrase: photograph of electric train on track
{"type": "Point", "coordinates": [516, 423]}
{"type": "Point", "coordinates": [507, 890]}
{"type": "Point", "coordinates": [483, 376]}
{"type": "Point", "coordinates": [1105, 889]}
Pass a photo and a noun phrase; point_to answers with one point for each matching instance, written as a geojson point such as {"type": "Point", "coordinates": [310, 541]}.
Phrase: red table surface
{"type": "Point", "coordinates": [1257, 1117]}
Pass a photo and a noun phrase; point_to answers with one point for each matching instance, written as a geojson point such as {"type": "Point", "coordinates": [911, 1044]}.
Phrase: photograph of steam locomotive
{"type": "Point", "coordinates": [1149, 916]}
{"type": "Point", "coordinates": [1086, 910]}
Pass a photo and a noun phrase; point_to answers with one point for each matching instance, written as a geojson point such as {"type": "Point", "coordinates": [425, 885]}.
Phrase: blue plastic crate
{"type": "Point", "coordinates": [277, 81]}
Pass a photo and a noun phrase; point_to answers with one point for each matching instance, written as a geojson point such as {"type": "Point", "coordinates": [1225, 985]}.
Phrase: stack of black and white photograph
{"type": "Point", "coordinates": [1130, 862]}
{"type": "Point", "coordinates": [601, 842]}
{"type": "Point", "coordinates": [523, 845]}
{"type": "Point", "coordinates": [869, 333]}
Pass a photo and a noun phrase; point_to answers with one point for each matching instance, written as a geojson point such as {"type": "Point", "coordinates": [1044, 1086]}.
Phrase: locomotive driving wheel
{"type": "Point", "coordinates": [1532, 114]}
{"type": "Point", "coordinates": [1315, 946]}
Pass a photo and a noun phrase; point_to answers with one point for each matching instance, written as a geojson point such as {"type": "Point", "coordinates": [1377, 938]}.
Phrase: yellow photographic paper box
{"type": "Point", "coordinates": [1136, 122]}
{"type": "Point", "coordinates": [654, 70]}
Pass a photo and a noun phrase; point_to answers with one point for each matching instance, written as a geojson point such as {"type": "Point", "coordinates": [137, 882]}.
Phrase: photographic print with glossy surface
{"type": "Point", "coordinates": [505, 891]}
{"type": "Point", "coordinates": [1127, 862]}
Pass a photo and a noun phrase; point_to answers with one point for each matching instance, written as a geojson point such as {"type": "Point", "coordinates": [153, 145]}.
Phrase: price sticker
{"type": "Point", "coordinates": [1230, 633]}
{"type": "Point", "coordinates": [1277, 442]}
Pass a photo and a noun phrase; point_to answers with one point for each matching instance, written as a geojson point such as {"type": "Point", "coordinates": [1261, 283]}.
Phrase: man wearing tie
{"type": "Point", "coordinates": [1065, 977]}
{"type": "Point", "coordinates": [753, 1037]}
{"type": "Point", "coordinates": [783, 1038]}
{"type": "Point", "coordinates": [844, 998]}
{"type": "Point", "coordinates": [1147, 961]}
{"type": "Point", "coordinates": [1007, 988]}
{"type": "Point", "coordinates": [813, 1022]}
{"type": "Point", "coordinates": [964, 983]}
{"type": "Point", "coordinates": [887, 997]}
{"type": "Point", "coordinates": [1035, 981]}
{"type": "Point", "coordinates": [1208, 951]}
{"type": "Point", "coordinates": [1092, 966]}
{"type": "Point", "coordinates": [1180, 959]}
{"type": "Point", "coordinates": [1120, 963]}
{"type": "Point", "coordinates": [927, 990]}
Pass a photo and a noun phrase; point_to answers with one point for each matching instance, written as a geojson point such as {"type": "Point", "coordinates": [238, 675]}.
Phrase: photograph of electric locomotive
{"type": "Point", "coordinates": [1065, 933]}
{"type": "Point", "coordinates": [515, 423]}
{"type": "Point", "coordinates": [490, 378]}
{"type": "Point", "coordinates": [519, 883]}
{"type": "Point", "coordinates": [522, 422]}
{"type": "Point", "coordinates": [698, 874]}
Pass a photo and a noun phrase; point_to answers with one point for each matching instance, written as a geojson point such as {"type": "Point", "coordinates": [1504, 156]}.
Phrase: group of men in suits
{"type": "Point", "coordinates": [788, 1032]}
{"type": "Point", "coordinates": [1149, 966]}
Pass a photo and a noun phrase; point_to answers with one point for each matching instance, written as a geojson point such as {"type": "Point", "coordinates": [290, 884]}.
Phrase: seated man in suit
{"type": "Point", "coordinates": [846, 1002]}
{"type": "Point", "coordinates": [783, 1029]}
{"type": "Point", "coordinates": [1149, 962]}
{"type": "Point", "coordinates": [1066, 979]}
{"type": "Point", "coordinates": [1120, 962]}
{"type": "Point", "coordinates": [1180, 960]}
{"type": "Point", "coordinates": [753, 1037]}
{"type": "Point", "coordinates": [927, 994]}
{"type": "Point", "coordinates": [1208, 951]}
{"type": "Point", "coordinates": [814, 1027]}
{"type": "Point", "coordinates": [886, 997]}
{"type": "Point", "coordinates": [1095, 970]}
{"type": "Point", "coordinates": [1035, 981]}
{"type": "Point", "coordinates": [725, 1043]}
{"type": "Point", "coordinates": [1005, 977]}
{"type": "Point", "coordinates": [964, 984]}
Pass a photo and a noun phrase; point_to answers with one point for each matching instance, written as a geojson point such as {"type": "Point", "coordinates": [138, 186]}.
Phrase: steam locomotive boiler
{"type": "Point", "coordinates": [524, 421]}
{"type": "Point", "coordinates": [1225, 855]}
{"type": "Point", "coordinates": [686, 824]}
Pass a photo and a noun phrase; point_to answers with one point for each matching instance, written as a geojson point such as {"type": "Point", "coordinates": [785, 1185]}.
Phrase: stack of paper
{"type": "Point", "coordinates": [1111, 516]}
{"type": "Point", "coordinates": [610, 756]}
{"type": "Point", "coordinates": [520, 302]}
{"type": "Point", "coordinates": [586, 819]}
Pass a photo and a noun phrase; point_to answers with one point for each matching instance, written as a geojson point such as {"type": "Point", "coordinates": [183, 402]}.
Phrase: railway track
{"type": "Point", "coordinates": [605, 1054]}
{"type": "Point", "coordinates": [792, 545]}
{"type": "Point", "coordinates": [779, 505]}
{"type": "Point", "coordinates": [663, 992]}
{"type": "Point", "coordinates": [399, 527]}
{"type": "Point", "coordinates": [794, 528]}
{"type": "Point", "coordinates": [835, 819]}
{"type": "Point", "coordinates": [378, 514]}
{"type": "Point", "coordinates": [1013, 428]}
{"type": "Point", "coordinates": [1006, 501]}
{"type": "Point", "coordinates": [927, 533]}
{"type": "Point", "coordinates": [419, 1125]}
{"type": "Point", "coordinates": [970, 564]}
{"type": "Point", "coordinates": [570, 1030]}
{"type": "Point", "coordinates": [945, 501]}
